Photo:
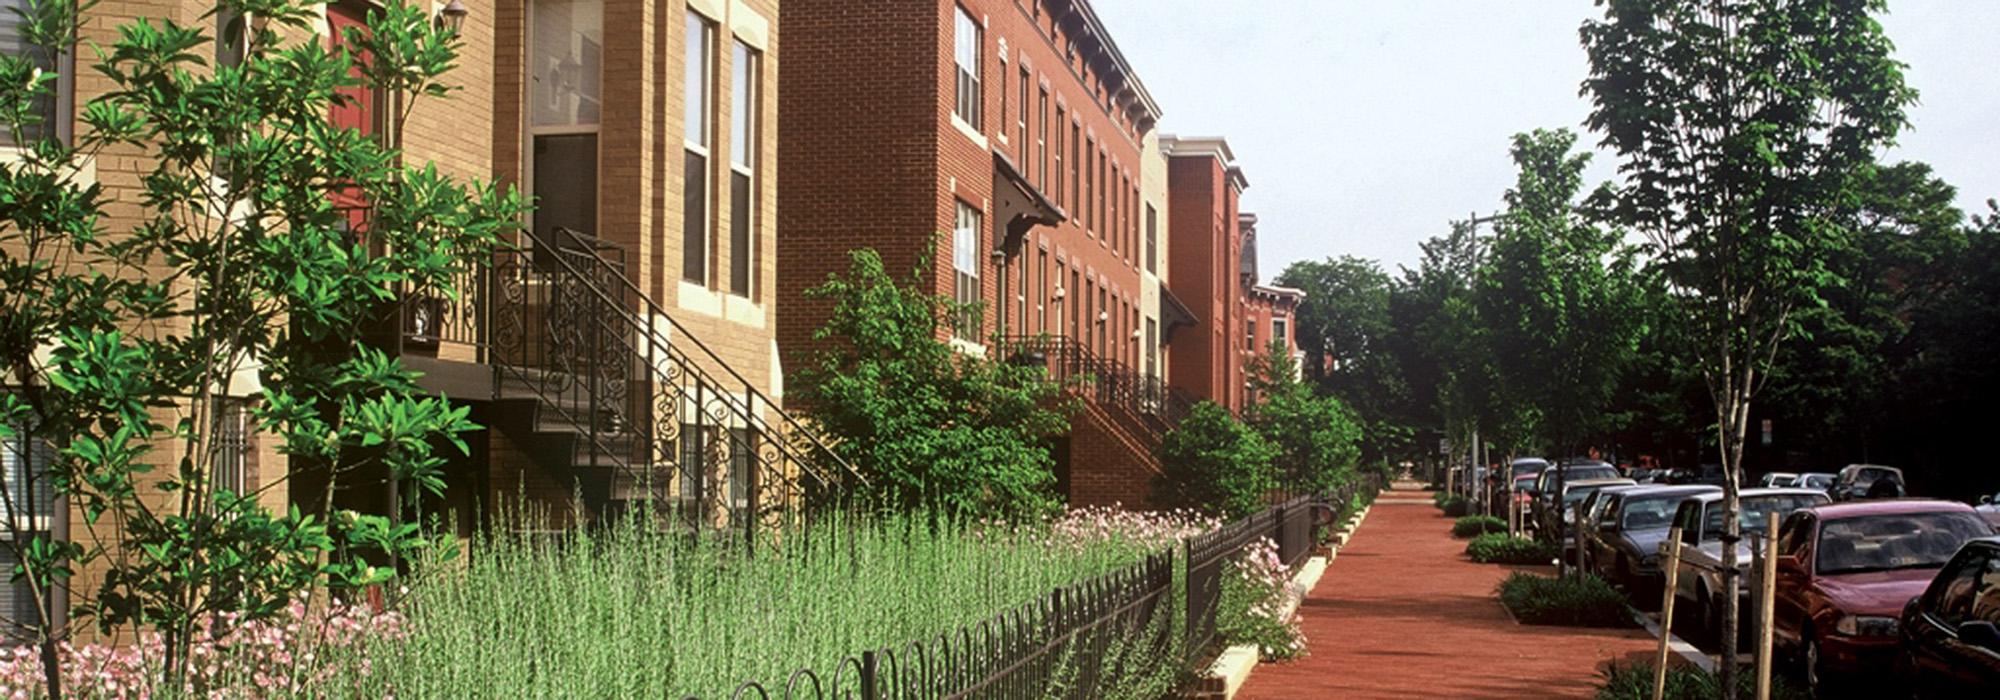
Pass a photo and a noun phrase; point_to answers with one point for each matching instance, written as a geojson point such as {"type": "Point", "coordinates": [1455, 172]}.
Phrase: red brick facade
{"type": "Point", "coordinates": [879, 153]}
{"type": "Point", "coordinates": [1206, 268]}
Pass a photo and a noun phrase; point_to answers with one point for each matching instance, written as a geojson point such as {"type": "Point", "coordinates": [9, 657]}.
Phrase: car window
{"type": "Point", "coordinates": [1894, 541]}
{"type": "Point", "coordinates": [1794, 534]}
{"type": "Point", "coordinates": [1689, 519]}
{"type": "Point", "coordinates": [1753, 511]}
{"type": "Point", "coordinates": [1952, 600]}
{"type": "Point", "coordinates": [1646, 513]}
{"type": "Point", "coordinates": [1986, 599]}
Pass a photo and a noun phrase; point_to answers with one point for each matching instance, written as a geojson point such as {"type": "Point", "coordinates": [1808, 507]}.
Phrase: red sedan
{"type": "Point", "coordinates": [1845, 572]}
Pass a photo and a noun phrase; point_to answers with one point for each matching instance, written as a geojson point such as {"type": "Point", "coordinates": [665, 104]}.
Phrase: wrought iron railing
{"type": "Point", "coordinates": [653, 411]}
{"type": "Point", "coordinates": [1060, 644]}
{"type": "Point", "coordinates": [1145, 401]}
{"type": "Point", "coordinates": [429, 317]}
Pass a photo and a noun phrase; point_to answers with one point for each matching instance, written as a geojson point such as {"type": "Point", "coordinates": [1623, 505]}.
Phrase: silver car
{"type": "Point", "coordinates": [1700, 520]}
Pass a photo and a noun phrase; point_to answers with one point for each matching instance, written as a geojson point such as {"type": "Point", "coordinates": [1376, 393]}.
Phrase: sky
{"type": "Point", "coordinates": [1366, 126]}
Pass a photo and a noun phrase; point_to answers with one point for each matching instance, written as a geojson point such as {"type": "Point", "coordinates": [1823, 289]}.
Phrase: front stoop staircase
{"type": "Point", "coordinates": [1139, 408]}
{"type": "Point", "coordinates": [622, 404]}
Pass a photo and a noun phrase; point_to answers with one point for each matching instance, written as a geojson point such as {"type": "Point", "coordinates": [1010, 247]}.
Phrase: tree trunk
{"type": "Point", "coordinates": [1732, 426]}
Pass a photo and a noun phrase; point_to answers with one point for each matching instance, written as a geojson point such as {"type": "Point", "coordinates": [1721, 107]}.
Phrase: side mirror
{"type": "Point", "coordinates": [1985, 500]}
{"type": "Point", "coordinates": [1979, 633]}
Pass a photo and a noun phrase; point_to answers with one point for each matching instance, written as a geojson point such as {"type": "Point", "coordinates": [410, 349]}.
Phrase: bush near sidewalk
{"type": "Point", "coordinates": [1453, 506]}
{"type": "Point", "coordinates": [1501, 548]}
{"type": "Point", "coordinates": [1582, 600]}
{"type": "Point", "coordinates": [1474, 525]}
{"type": "Point", "coordinates": [1635, 682]}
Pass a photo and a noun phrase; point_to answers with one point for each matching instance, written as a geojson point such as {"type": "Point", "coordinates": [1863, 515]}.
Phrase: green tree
{"type": "Point", "coordinates": [1214, 463]}
{"type": "Point", "coordinates": [1555, 302]}
{"type": "Point", "coordinates": [928, 425]}
{"type": "Point", "coordinates": [1317, 439]}
{"type": "Point", "coordinates": [1741, 125]}
{"type": "Point", "coordinates": [117, 343]}
{"type": "Point", "coordinates": [1344, 328]}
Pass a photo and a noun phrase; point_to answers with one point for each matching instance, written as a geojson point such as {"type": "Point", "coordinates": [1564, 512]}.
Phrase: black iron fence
{"type": "Point", "coordinates": [1090, 640]}
{"type": "Point", "coordinates": [1146, 401]}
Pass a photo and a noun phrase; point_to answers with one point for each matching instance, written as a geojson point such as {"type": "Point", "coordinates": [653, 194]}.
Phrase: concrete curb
{"type": "Point", "coordinates": [1232, 667]}
{"type": "Point", "coordinates": [1679, 646]}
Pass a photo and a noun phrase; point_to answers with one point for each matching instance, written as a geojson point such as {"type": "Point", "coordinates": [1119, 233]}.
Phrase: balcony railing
{"type": "Point", "coordinates": [1146, 401]}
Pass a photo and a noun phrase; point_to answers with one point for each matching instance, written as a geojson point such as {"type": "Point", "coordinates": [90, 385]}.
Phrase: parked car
{"type": "Point", "coordinates": [1527, 465]}
{"type": "Point", "coordinates": [1859, 481]}
{"type": "Point", "coordinates": [1700, 519]}
{"type": "Point", "coordinates": [1568, 470]}
{"type": "Point", "coordinates": [1989, 507]}
{"type": "Point", "coordinates": [1813, 480]}
{"type": "Point", "coordinates": [1574, 493]}
{"type": "Point", "coordinates": [1774, 480]}
{"type": "Point", "coordinates": [1846, 572]}
{"type": "Point", "coordinates": [1950, 642]}
{"type": "Point", "coordinates": [1624, 545]}
{"type": "Point", "coordinates": [1594, 507]}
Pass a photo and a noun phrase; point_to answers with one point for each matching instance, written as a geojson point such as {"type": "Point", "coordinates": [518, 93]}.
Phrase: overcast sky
{"type": "Point", "coordinates": [1364, 126]}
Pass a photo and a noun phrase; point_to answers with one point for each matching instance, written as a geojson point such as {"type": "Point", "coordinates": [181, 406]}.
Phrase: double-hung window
{"type": "Point", "coordinates": [698, 93]}
{"type": "Point", "coordinates": [1061, 195]}
{"type": "Point", "coordinates": [48, 105]}
{"type": "Point", "coordinates": [565, 60]}
{"type": "Point", "coordinates": [1152, 240]}
{"type": "Point", "coordinates": [1042, 141]}
{"type": "Point", "coordinates": [965, 269]}
{"type": "Point", "coordinates": [1021, 126]}
{"type": "Point", "coordinates": [743, 109]}
{"type": "Point", "coordinates": [968, 46]}
{"type": "Point", "coordinates": [1279, 332]}
{"type": "Point", "coordinates": [29, 508]}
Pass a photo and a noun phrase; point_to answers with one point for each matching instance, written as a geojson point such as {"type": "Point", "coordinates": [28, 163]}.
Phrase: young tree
{"type": "Point", "coordinates": [120, 333]}
{"type": "Point", "coordinates": [1344, 329]}
{"type": "Point", "coordinates": [1741, 124]}
{"type": "Point", "coordinates": [928, 425]}
{"type": "Point", "coordinates": [1215, 464]}
{"type": "Point", "coordinates": [1317, 439]}
{"type": "Point", "coordinates": [1557, 308]}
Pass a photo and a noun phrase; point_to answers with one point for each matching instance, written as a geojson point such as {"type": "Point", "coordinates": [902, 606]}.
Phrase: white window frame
{"type": "Point", "coordinates": [533, 130]}
{"type": "Point", "coordinates": [965, 254]}
{"type": "Point", "coordinates": [745, 103]}
{"type": "Point", "coordinates": [706, 131]}
{"type": "Point", "coordinates": [969, 92]}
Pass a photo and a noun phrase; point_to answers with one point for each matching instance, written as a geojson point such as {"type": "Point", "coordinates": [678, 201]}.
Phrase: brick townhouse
{"type": "Point", "coordinates": [1011, 141]}
{"type": "Point", "coordinates": [1214, 261]}
{"type": "Point", "coordinates": [628, 351]}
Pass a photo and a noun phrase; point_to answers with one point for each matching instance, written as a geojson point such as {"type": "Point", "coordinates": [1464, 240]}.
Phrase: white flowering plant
{"type": "Point", "coordinates": [1256, 588]}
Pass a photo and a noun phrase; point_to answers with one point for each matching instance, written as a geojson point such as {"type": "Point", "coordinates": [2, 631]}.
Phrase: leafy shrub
{"type": "Point", "coordinates": [1456, 506]}
{"type": "Point", "coordinates": [1472, 525]}
{"type": "Point", "coordinates": [1635, 682]}
{"type": "Point", "coordinates": [1501, 548]}
{"type": "Point", "coordinates": [1253, 596]}
{"type": "Point", "coordinates": [1216, 464]}
{"type": "Point", "coordinates": [1573, 601]}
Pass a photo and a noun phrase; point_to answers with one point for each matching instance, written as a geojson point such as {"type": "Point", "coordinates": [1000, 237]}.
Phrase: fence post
{"type": "Point", "coordinates": [868, 671]}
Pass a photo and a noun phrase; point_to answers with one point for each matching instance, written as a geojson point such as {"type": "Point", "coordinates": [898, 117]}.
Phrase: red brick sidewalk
{"type": "Point", "coordinates": [1402, 614]}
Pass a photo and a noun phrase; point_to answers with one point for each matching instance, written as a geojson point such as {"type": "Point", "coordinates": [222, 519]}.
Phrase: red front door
{"type": "Point", "coordinates": [358, 109]}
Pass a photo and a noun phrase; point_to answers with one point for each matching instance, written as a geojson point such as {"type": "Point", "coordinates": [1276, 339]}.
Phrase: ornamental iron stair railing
{"type": "Point", "coordinates": [630, 407]}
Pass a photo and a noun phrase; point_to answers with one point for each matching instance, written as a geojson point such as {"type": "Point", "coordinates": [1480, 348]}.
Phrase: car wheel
{"type": "Point", "coordinates": [1814, 673]}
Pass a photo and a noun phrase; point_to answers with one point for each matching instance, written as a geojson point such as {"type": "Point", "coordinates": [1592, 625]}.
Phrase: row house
{"type": "Point", "coordinates": [626, 351]}
{"type": "Point", "coordinates": [1003, 150]}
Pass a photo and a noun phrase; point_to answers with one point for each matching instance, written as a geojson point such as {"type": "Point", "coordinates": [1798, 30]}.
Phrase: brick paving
{"type": "Point", "coordinates": [1401, 613]}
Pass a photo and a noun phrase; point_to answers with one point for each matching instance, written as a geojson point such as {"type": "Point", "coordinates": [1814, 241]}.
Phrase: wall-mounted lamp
{"type": "Point", "coordinates": [452, 16]}
{"type": "Point", "coordinates": [1103, 316]}
{"type": "Point", "coordinates": [1060, 292]}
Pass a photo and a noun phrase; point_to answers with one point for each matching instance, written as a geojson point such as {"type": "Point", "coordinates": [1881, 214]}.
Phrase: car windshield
{"type": "Point", "coordinates": [1578, 473]}
{"type": "Point", "coordinates": [1577, 494]}
{"type": "Point", "coordinates": [1649, 513]}
{"type": "Point", "coordinates": [1900, 541]}
{"type": "Point", "coordinates": [1817, 481]}
{"type": "Point", "coordinates": [1755, 509]}
{"type": "Point", "coordinates": [1868, 476]}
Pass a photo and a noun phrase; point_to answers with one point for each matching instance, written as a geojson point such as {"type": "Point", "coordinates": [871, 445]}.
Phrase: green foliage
{"type": "Point", "coordinates": [1317, 438]}
{"type": "Point", "coordinates": [1344, 329]}
{"type": "Point", "coordinates": [1502, 548]}
{"type": "Point", "coordinates": [1684, 682]}
{"type": "Point", "coordinates": [1216, 464]}
{"type": "Point", "coordinates": [1255, 590]}
{"type": "Point", "coordinates": [642, 611]}
{"type": "Point", "coordinates": [1557, 305]}
{"type": "Point", "coordinates": [1583, 600]}
{"type": "Point", "coordinates": [1454, 505]}
{"type": "Point", "coordinates": [238, 264]}
{"type": "Point", "coordinates": [1474, 525]}
{"type": "Point", "coordinates": [929, 426]}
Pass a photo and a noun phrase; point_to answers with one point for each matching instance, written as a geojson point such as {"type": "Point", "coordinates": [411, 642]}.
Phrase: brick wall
{"type": "Point", "coordinates": [1105, 466]}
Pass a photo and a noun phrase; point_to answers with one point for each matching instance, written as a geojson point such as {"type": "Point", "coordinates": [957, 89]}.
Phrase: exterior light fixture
{"type": "Point", "coordinates": [452, 16]}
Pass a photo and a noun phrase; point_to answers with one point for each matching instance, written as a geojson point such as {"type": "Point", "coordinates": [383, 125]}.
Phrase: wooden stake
{"type": "Point", "coordinates": [1673, 570]}
{"type": "Point", "coordinates": [1767, 584]}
